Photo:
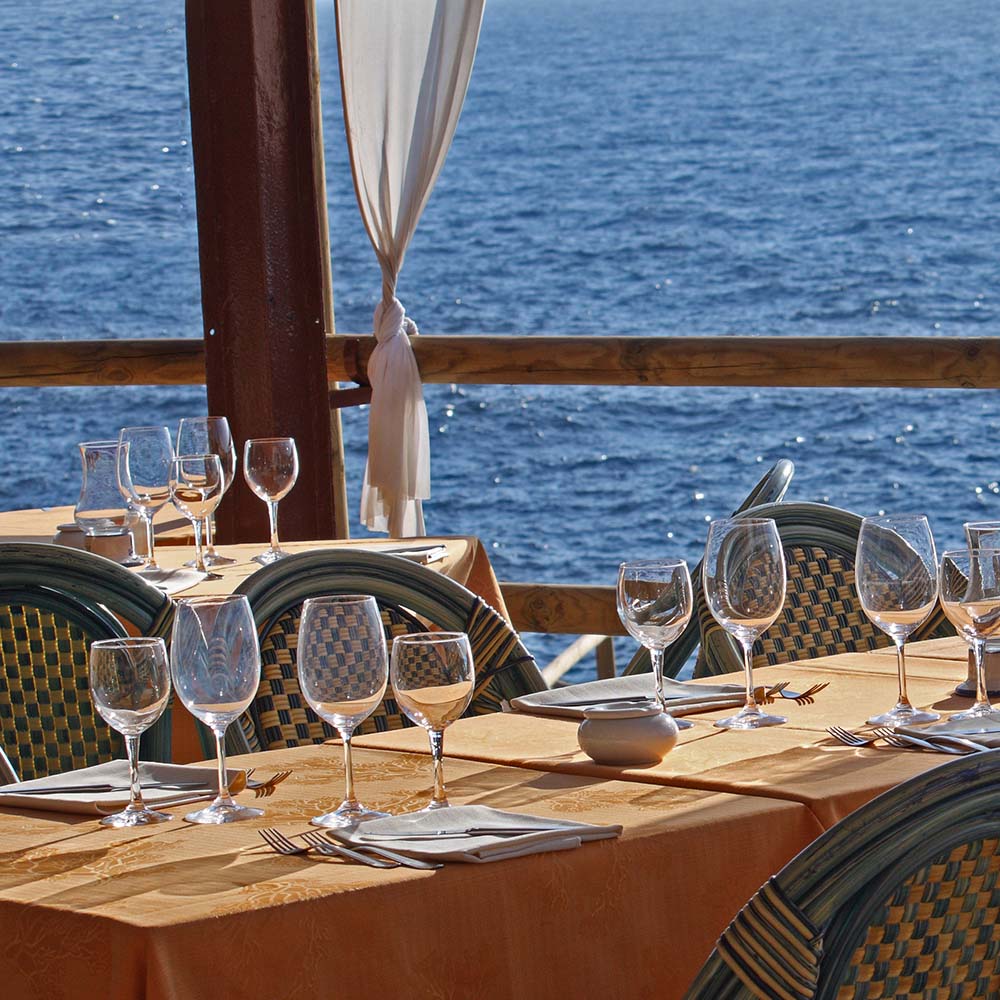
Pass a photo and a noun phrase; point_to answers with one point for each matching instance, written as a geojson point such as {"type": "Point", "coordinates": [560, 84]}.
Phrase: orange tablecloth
{"type": "Point", "coordinates": [176, 911]}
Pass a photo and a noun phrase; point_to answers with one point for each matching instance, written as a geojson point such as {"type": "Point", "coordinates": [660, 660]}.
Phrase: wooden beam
{"type": "Point", "coordinates": [562, 608]}
{"type": "Point", "coordinates": [907, 362]}
{"type": "Point", "coordinates": [571, 656]}
{"type": "Point", "coordinates": [262, 240]}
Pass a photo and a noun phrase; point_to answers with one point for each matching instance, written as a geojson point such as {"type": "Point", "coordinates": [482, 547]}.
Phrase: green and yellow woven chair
{"type": "Point", "coordinates": [822, 614]}
{"type": "Point", "coordinates": [770, 489]}
{"type": "Point", "coordinates": [54, 602]}
{"type": "Point", "coordinates": [899, 899]}
{"type": "Point", "coordinates": [412, 598]}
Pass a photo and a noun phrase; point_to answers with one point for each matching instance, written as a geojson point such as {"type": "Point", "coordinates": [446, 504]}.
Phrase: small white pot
{"type": "Point", "coordinates": [627, 736]}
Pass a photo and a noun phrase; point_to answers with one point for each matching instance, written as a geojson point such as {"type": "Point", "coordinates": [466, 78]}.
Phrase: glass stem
{"type": "Point", "coordinates": [210, 534]}
{"type": "Point", "coordinates": [150, 557]}
{"type": "Point", "coordinates": [656, 656]}
{"type": "Point", "coordinates": [272, 513]}
{"type": "Point", "coordinates": [751, 705]}
{"type": "Point", "coordinates": [349, 797]}
{"type": "Point", "coordinates": [223, 798]}
{"type": "Point", "coordinates": [135, 803]}
{"type": "Point", "coordinates": [901, 666]}
{"type": "Point", "coordinates": [979, 653]}
{"type": "Point", "coordinates": [440, 798]}
{"type": "Point", "coordinates": [199, 555]}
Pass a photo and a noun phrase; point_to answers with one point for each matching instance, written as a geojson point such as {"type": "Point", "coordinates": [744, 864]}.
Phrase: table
{"type": "Point", "coordinates": [175, 911]}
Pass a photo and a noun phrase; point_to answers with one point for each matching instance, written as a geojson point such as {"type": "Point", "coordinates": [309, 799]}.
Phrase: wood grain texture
{"type": "Point", "coordinates": [562, 608]}
{"type": "Point", "coordinates": [914, 362]}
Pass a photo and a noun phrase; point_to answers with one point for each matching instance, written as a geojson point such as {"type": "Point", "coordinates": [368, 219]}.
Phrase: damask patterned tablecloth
{"type": "Point", "coordinates": [178, 911]}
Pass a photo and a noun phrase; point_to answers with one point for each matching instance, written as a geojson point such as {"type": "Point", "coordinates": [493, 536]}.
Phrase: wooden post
{"type": "Point", "coordinates": [262, 239]}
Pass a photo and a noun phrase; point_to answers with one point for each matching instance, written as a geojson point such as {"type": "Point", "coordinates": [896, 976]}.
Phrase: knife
{"type": "Point", "coordinates": [69, 789]}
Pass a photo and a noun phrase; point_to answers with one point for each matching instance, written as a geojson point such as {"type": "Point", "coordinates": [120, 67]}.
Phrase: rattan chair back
{"type": "Point", "coordinates": [54, 602]}
{"type": "Point", "coordinates": [900, 899]}
{"type": "Point", "coordinates": [411, 598]}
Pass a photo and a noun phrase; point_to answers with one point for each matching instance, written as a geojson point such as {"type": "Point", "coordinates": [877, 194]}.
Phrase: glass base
{"type": "Point", "coordinates": [982, 711]}
{"type": "Point", "coordinates": [347, 815]}
{"type": "Point", "coordinates": [434, 805]}
{"type": "Point", "coordinates": [683, 723]}
{"type": "Point", "coordinates": [751, 718]}
{"type": "Point", "coordinates": [214, 559]}
{"type": "Point", "coordinates": [223, 812]}
{"type": "Point", "coordinates": [903, 715]}
{"type": "Point", "coordinates": [135, 817]}
{"type": "Point", "coordinates": [270, 556]}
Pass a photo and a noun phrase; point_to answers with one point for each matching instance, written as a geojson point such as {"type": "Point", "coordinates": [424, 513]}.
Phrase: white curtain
{"type": "Point", "coordinates": [404, 70]}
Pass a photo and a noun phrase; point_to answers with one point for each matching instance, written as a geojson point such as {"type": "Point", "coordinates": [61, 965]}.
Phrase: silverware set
{"type": "Point", "coordinates": [314, 841]}
{"type": "Point", "coordinates": [937, 742]}
{"type": "Point", "coordinates": [265, 788]}
{"type": "Point", "coordinates": [780, 690]}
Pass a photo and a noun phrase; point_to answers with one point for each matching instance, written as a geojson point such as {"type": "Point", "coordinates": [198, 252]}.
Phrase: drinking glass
{"type": "Point", "coordinates": [101, 510]}
{"type": "Point", "coordinates": [130, 685]}
{"type": "Point", "coordinates": [744, 576]}
{"type": "Point", "coordinates": [896, 574]}
{"type": "Point", "coordinates": [969, 582]}
{"type": "Point", "coordinates": [196, 489]}
{"type": "Point", "coordinates": [271, 466]}
{"type": "Point", "coordinates": [209, 436]}
{"type": "Point", "coordinates": [654, 605]}
{"type": "Point", "coordinates": [144, 457]}
{"type": "Point", "coordinates": [343, 671]}
{"type": "Point", "coordinates": [433, 676]}
{"type": "Point", "coordinates": [215, 664]}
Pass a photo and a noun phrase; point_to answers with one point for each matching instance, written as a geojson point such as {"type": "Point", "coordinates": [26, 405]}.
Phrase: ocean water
{"type": "Point", "coordinates": [662, 167]}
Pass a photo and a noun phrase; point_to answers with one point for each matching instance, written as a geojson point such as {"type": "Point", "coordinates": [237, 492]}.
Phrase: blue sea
{"type": "Point", "coordinates": [648, 167]}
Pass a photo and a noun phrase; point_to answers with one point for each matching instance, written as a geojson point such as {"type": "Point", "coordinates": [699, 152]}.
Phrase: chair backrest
{"type": "Point", "coordinates": [822, 614]}
{"type": "Point", "coordinates": [54, 602]}
{"type": "Point", "coordinates": [770, 489]}
{"type": "Point", "coordinates": [898, 899]}
{"type": "Point", "coordinates": [411, 597]}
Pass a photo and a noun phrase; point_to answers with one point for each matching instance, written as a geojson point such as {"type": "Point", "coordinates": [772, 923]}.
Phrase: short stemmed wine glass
{"type": "Point", "coordinates": [210, 436]}
{"type": "Point", "coordinates": [969, 583]}
{"type": "Point", "coordinates": [744, 577]}
{"type": "Point", "coordinates": [343, 670]}
{"type": "Point", "coordinates": [271, 466]}
{"type": "Point", "coordinates": [654, 604]}
{"type": "Point", "coordinates": [144, 457]}
{"type": "Point", "coordinates": [433, 679]}
{"type": "Point", "coordinates": [196, 489]}
{"type": "Point", "coordinates": [896, 574]}
{"type": "Point", "coordinates": [130, 685]}
{"type": "Point", "coordinates": [215, 664]}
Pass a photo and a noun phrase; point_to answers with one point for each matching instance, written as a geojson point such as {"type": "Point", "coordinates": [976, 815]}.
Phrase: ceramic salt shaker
{"type": "Point", "coordinates": [627, 735]}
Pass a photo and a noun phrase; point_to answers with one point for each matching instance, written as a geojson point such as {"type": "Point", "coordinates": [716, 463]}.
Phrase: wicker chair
{"type": "Point", "coordinates": [770, 489]}
{"type": "Point", "coordinates": [54, 602]}
{"type": "Point", "coordinates": [900, 899]}
{"type": "Point", "coordinates": [411, 597]}
{"type": "Point", "coordinates": [822, 614]}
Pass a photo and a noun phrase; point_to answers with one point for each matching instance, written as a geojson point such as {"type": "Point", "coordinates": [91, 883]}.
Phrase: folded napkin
{"type": "Point", "coordinates": [982, 731]}
{"type": "Point", "coordinates": [682, 697]}
{"type": "Point", "coordinates": [173, 581]}
{"type": "Point", "coordinates": [116, 773]}
{"type": "Point", "coordinates": [475, 834]}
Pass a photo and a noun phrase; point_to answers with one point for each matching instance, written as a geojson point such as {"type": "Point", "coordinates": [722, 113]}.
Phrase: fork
{"type": "Point", "coordinates": [805, 697]}
{"type": "Point", "coordinates": [907, 742]}
{"type": "Point", "coordinates": [263, 789]}
{"type": "Point", "coordinates": [850, 739]}
{"type": "Point", "coordinates": [316, 840]}
{"type": "Point", "coordinates": [279, 843]}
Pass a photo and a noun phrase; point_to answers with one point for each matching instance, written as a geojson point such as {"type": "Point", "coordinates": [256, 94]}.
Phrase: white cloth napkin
{"type": "Point", "coordinates": [682, 697]}
{"type": "Point", "coordinates": [173, 581]}
{"type": "Point", "coordinates": [116, 772]}
{"type": "Point", "coordinates": [441, 835]}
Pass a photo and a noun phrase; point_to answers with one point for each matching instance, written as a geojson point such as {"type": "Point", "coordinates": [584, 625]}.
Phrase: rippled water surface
{"type": "Point", "coordinates": [668, 167]}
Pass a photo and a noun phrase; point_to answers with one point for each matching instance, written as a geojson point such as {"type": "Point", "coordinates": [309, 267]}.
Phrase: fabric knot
{"type": "Point", "coordinates": [391, 321]}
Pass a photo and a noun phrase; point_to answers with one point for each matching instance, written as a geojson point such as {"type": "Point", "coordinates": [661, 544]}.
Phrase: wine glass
{"type": "Point", "coordinates": [144, 457]}
{"type": "Point", "coordinates": [343, 671]}
{"type": "Point", "coordinates": [654, 605]}
{"type": "Point", "coordinates": [215, 664]}
{"type": "Point", "coordinates": [209, 436]}
{"type": "Point", "coordinates": [744, 576]}
{"type": "Point", "coordinates": [969, 582]}
{"type": "Point", "coordinates": [196, 489]}
{"type": "Point", "coordinates": [130, 685]}
{"type": "Point", "coordinates": [432, 677]}
{"type": "Point", "coordinates": [271, 466]}
{"type": "Point", "coordinates": [896, 575]}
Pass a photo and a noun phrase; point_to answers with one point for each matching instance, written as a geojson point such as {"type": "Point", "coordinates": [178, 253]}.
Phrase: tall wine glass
{"type": "Point", "coordinates": [144, 457]}
{"type": "Point", "coordinates": [433, 679]}
{"type": "Point", "coordinates": [896, 574]}
{"type": "Point", "coordinates": [271, 466]}
{"type": "Point", "coordinates": [744, 576]}
{"type": "Point", "coordinates": [654, 604]}
{"type": "Point", "coordinates": [969, 583]}
{"type": "Point", "coordinates": [215, 664]}
{"type": "Point", "coordinates": [343, 671]}
{"type": "Point", "coordinates": [210, 436]}
{"type": "Point", "coordinates": [196, 489]}
{"type": "Point", "coordinates": [130, 685]}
